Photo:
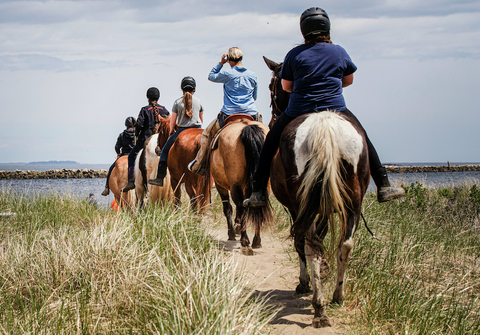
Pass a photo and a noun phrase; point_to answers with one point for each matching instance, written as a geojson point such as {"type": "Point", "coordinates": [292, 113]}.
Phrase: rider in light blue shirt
{"type": "Point", "coordinates": [239, 95]}
{"type": "Point", "coordinates": [239, 89]}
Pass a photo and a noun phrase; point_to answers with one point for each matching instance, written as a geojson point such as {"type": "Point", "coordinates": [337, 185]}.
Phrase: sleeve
{"type": "Point", "coordinates": [349, 66]}
{"type": "Point", "coordinates": [287, 72]}
{"type": "Point", "coordinates": [218, 76]}
{"type": "Point", "coordinates": [119, 143]}
{"type": "Point", "coordinates": [175, 107]}
{"type": "Point", "coordinates": [140, 122]}
{"type": "Point", "coordinates": [255, 90]}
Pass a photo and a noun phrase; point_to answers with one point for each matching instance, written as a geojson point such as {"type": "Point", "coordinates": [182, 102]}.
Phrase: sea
{"type": "Point", "coordinates": [81, 188]}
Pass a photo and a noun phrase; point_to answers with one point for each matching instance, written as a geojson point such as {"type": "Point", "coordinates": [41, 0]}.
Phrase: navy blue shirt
{"type": "Point", "coordinates": [316, 71]}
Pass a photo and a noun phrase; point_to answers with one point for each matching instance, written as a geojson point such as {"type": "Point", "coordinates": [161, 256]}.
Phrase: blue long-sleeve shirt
{"type": "Point", "coordinates": [239, 89]}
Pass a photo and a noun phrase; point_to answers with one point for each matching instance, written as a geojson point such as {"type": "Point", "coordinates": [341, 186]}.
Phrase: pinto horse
{"type": "Point", "coordinates": [181, 153]}
{"type": "Point", "coordinates": [118, 180]}
{"type": "Point", "coordinates": [321, 168]}
{"type": "Point", "coordinates": [231, 161]}
{"type": "Point", "coordinates": [146, 166]}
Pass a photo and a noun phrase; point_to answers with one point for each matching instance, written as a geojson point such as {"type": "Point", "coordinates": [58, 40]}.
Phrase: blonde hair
{"type": "Point", "coordinates": [235, 54]}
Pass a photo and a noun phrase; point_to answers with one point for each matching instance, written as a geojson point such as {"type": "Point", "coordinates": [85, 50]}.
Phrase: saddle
{"type": "Point", "coordinates": [234, 118]}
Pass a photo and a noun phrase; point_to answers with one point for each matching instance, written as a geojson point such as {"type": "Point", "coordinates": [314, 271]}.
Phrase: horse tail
{"type": "Point", "coordinates": [323, 190]}
{"type": "Point", "coordinates": [253, 138]}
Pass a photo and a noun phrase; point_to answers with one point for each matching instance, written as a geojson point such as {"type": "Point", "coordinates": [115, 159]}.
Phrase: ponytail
{"type": "Point", "coordinates": [187, 103]}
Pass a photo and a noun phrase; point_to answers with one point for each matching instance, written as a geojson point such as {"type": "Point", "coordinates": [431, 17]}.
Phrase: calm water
{"type": "Point", "coordinates": [82, 187]}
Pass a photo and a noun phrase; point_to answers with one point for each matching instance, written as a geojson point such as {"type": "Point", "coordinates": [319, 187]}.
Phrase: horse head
{"type": "Point", "coordinates": [278, 97]}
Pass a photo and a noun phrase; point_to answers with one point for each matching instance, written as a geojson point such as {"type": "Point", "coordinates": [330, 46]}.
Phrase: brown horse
{"type": "Point", "coordinates": [232, 159]}
{"type": "Point", "coordinates": [181, 153]}
{"type": "Point", "coordinates": [321, 168]}
{"type": "Point", "coordinates": [118, 180]}
{"type": "Point", "coordinates": [146, 165]}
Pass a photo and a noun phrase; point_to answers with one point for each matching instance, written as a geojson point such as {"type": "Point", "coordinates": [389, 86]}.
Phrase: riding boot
{"type": "Point", "coordinates": [131, 180]}
{"type": "Point", "coordinates": [197, 166]}
{"type": "Point", "coordinates": [258, 198]}
{"type": "Point", "coordinates": [161, 174]}
{"type": "Point", "coordinates": [106, 191]}
{"type": "Point", "coordinates": [384, 191]}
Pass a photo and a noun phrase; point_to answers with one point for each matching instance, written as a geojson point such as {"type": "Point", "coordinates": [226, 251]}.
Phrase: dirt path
{"type": "Point", "coordinates": [271, 271]}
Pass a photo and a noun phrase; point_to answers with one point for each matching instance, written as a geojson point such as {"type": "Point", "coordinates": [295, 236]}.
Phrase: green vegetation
{"type": "Point", "coordinates": [69, 267]}
{"type": "Point", "coordinates": [423, 276]}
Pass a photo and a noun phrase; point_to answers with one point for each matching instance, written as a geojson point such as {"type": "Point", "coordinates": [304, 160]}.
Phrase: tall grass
{"type": "Point", "coordinates": [69, 267]}
{"type": "Point", "coordinates": [423, 276]}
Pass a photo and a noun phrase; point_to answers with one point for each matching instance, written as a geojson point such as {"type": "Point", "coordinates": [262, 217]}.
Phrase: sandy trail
{"type": "Point", "coordinates": [271, 271]}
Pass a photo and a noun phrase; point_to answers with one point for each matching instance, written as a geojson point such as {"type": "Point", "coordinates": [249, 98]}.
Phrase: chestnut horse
{"type": "Point", "coordinates": [321, 168]}
{"type": "Point", "coordinates": [181, 153]}
{"type": "Point", "coordinates": [232, 159]}
{"type": "Point", "coordinates": [118, 180]}
{"type": "Point", "coordinates": [146, 166]}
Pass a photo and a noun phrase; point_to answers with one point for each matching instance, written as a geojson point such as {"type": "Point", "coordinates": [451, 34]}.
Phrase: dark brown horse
{"type": "Point", "coordinates": [182, 152]}
{"type": "Point", "coordinates": [231, 161]}
{"type": "Point", "coordinates": [321, 168]}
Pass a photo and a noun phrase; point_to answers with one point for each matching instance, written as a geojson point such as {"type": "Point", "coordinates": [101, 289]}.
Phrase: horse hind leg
{"type": "Point", "coordinates": [227, 211]}
{"type": "Point", "coordinates": [314, 257]}
{"type": "Point", "coordinates": [344, 255]}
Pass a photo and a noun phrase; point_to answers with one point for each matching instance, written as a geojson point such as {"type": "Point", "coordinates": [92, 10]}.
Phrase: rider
{"type": "Point", "coordinates": [315, 73]}
{"type": "Point", "coordinates": [239, 95]}
{"type": "Point", "coordinates": [125, 143]}
{"type": "Point", "coordinates": [188, 110]}
{"type": "Point", "coordinates": [146, 120]}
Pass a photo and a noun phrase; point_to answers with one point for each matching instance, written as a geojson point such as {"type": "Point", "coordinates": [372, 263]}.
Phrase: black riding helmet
{"type": "Point", "coordinates": [314, 21]}
{"type": "Point", "coordinates": [130, 122]}
{"type": "Point", "coordinates": [188, 84]}
{"type": "Point", "coordinates": [153, 94]}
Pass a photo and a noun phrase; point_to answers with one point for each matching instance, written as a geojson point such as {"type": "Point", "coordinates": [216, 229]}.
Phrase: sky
{"type": "Point", "coordinates": [71, 72]}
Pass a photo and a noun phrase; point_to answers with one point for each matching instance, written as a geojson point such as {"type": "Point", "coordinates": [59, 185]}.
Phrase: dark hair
{"type": "Point", "coordinates": [324, 38]}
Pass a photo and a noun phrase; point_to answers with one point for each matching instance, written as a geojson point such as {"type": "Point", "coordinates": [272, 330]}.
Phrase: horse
{"type": "Point", "coordinates": [181, 153]}
{"type": "Point", "coordinates": [321, 168]}
{"type": "Point", "coordinates": [118, 180]}
{"type": "Point", "coordinates": [146, 166]}
{"type": "Point", "coordinates": [231, 162]}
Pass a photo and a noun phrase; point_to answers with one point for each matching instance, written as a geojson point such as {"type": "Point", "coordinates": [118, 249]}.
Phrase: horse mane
{"type": "Point", "coordinates": [163, 131]}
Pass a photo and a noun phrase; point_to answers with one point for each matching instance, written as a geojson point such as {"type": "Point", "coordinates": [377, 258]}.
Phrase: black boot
{"type": "Point", "coordinates": [131, 180]}
{"type": "Point", "coordinates": [106, 191]}
{"type": "Point", "coordinates": [258, 197]}
{"type": "Point", "coordinates": [161, 174]}
{"type": "Point", "coordinates": [384, 191]}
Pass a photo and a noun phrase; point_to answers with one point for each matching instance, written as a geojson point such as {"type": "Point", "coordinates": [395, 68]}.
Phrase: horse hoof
{"type": "Point", "coordinates": [256, 246]}
{"type": "Point", "coordinates": [321, 322]}
{"type": "Point", "coordinates": [247, 251]}
{"type": "Point", "coordinates": [302, 289]}
{"type": "Point", "coordinates": [231, 238]}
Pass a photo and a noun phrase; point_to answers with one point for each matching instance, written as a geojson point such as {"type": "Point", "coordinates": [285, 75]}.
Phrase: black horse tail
{"type": "Point", "coordinates": [253, 138]}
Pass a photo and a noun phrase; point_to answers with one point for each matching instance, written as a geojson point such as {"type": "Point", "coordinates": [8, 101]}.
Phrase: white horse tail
{"type": "Point", "coordinates": [323, 141]}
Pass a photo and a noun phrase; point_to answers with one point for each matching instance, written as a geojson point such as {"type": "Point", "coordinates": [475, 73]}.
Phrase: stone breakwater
{"type": "Point", "coordinates": [427, 168]}
{"type": "Point", "coordinates": [89, 173]}
{"type": "Point", "coordinates": [54, 174]}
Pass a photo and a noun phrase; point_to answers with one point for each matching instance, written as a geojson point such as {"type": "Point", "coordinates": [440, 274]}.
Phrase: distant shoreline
{"type": "Point", "coordinates": [90, 173]}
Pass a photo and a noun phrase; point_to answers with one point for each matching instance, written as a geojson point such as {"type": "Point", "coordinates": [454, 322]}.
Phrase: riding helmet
{"type": "Point", "coordinates": [130, 122]}
{"type": "Point", "coordinates": [314, 21]}
{"type": "Point", "coordinates": [153, 94]}
{"type": "Point", "coordinates": [188, 83]}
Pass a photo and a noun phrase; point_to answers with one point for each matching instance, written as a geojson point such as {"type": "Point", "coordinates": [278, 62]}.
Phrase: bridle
{"type": "Point", "coordinates": [276, 111]}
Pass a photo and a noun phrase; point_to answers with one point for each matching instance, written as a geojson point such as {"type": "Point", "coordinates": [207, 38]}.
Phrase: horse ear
{"type": "Point", "coordinates": [271, 64]}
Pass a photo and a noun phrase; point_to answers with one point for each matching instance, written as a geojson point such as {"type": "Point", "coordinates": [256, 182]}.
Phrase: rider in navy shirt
{"type": "Point", "coordinates": [315, 74]}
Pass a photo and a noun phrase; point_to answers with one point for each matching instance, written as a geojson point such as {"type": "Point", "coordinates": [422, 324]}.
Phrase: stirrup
{"type": "Point", "coordinates": [388, 193]}
{"type": "Point", "coordinates": [199, 170]}
{"type": "Point", "coordinates": [156, 182]}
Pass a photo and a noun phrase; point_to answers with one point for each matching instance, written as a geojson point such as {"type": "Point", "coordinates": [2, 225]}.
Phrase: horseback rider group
{"type": "Point", "coordinates": [314, 74]}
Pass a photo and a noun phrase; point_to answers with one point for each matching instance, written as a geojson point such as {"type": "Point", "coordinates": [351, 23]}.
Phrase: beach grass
{"type": "Point", "coordinates": [67, 267]}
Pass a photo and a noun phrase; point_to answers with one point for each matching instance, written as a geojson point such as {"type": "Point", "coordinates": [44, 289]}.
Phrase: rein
{"type": "Point", "coordinates": [276, 111]}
